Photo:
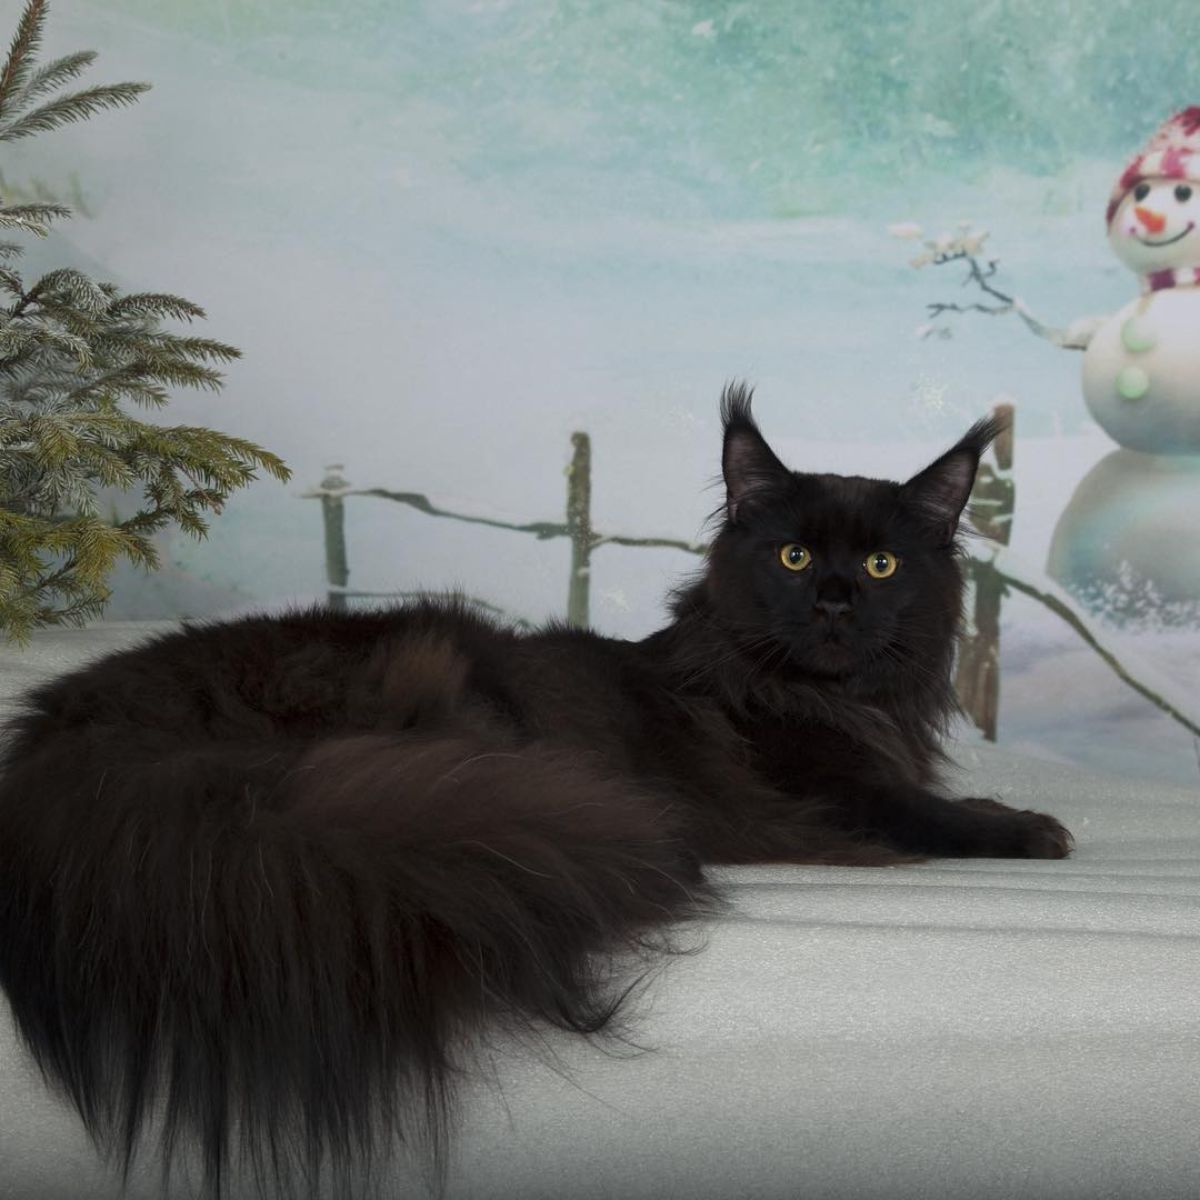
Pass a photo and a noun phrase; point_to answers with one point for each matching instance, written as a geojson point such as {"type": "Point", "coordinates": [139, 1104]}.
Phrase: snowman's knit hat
{"type": "Point", "coordinates": [1172, 153]}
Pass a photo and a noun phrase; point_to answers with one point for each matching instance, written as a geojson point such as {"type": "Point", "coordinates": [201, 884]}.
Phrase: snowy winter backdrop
{"type": "Point", "coordinates": [448, 233]}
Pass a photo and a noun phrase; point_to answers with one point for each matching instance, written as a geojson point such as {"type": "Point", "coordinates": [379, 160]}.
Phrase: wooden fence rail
{"type": "Point", "coordinates": [977, 674]}
{"type": "Point", "coordinates": [333, 491]}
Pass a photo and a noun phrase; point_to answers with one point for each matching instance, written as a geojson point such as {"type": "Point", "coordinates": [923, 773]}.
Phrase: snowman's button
{"type": "Point", "coordinates": [1133, 383]}
{"type": "Point", "coordinates": [1136, 337]}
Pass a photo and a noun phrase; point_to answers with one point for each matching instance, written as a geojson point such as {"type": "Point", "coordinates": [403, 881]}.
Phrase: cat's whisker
{"type": "Point", "coordinates": [739, 650]}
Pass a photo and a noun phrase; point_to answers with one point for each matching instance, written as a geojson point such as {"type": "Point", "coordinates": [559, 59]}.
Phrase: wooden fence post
{"type": "Point", "coordinates": [579, 529]}
{"type": "Point", "coordinates": [333, 511]}
{"type": "Point", "coordinates": [977, 679]}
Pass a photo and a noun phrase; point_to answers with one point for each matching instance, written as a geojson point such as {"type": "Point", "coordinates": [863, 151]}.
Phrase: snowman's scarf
{"type": "Point", "coordinates": [1157, 281]}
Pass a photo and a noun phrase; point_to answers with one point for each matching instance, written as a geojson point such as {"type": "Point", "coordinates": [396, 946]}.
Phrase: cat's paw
{"type": "Point", "coordinates": [1026, 834]}
{"type": "Point", "coordinates": [1043, 836]}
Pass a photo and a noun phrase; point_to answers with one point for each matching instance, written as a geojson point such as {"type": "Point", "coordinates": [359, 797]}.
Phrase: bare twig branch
{"type": "Point", "coordinates": [966, 247]}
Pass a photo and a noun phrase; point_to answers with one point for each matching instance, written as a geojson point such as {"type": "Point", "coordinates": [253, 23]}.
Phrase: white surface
{"type": "Point", "coordinates": [979, 1029]}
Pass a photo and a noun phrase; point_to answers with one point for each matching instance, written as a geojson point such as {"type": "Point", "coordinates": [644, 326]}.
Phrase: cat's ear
{"type": "Point", "coordinates": [749, 465]}
{"type": "Point", "coordinates": [939, 493]}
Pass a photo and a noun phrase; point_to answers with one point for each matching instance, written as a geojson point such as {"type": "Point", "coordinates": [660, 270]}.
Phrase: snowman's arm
{"type": "Point", "coordinates": [1081, 332]}
{"type": "Point", "coordinates": [1077, 335]}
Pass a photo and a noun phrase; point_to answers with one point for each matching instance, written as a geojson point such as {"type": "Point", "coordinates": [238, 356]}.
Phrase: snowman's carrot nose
{"type": "Point", "coordinates": [1154, 222]}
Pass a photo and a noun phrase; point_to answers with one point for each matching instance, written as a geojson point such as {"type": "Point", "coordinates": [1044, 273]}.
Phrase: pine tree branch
{"type": "Point", "coordinates": [54, 75]}
{"type": "Point", "coordinates": [20, 341]}
{"type": "Point", "coordinates": [20, 54]}
{"type": "Point", "coordinates": [206, 349]}
{"type": "Point", "coordinates": [178, 373]}
{"type": "Point", "coordinates": [77, 106]}
{"type": "Point", "coordinates": [72, 287]}
{"type": "Point", "coordinates": [155, 304]}
{"type": "Point", "coordinates": [33, 218]}
{"type": "Point", "coordinates": [120, 378]}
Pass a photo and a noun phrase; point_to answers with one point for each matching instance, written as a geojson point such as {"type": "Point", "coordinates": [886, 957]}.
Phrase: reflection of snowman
{"type": "Point", "coordinates": [1141, 369]}
{"type": "Point", "coordinates": [1133, 517]}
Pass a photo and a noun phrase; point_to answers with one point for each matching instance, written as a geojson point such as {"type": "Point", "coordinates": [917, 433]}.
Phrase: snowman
{"type": "Point", "coordinates": [1141, 367]}
{"type": "Point", "coordinates": [1127, 540]}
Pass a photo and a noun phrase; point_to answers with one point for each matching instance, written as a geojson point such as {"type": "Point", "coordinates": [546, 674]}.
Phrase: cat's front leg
{"type": "Point", "coordinates": [971, 828]}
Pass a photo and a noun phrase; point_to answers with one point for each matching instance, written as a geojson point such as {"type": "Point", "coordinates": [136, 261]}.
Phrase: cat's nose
{"type": "Point", "coordinates": [834, 608]}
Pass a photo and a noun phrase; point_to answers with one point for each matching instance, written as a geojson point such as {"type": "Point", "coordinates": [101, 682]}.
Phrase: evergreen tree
{"type": "Point", "coordinates": [73, 354]}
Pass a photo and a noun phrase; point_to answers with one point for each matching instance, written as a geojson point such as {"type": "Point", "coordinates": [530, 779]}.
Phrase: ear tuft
{"type": "Point", "coordinates": [747, 462]}
{"type": "Point", "coordinates": [736, 401]}
{"type": "Point", "coordinates": [940, 492]}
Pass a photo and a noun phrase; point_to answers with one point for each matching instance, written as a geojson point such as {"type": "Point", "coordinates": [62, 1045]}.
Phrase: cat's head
{"type": "Point", "coordinates": [838, 576]}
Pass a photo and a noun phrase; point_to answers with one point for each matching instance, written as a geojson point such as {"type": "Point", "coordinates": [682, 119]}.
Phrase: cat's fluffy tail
{"type": "Point", "coordinates": [273, 952]}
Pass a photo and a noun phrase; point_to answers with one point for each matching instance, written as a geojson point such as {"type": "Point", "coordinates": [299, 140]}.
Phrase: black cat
{"type": "Point", "coordinates": [276, 876]}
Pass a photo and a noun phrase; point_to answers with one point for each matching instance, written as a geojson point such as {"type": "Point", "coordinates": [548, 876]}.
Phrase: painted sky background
{"type": "Point", "coordinates": [447, 234]}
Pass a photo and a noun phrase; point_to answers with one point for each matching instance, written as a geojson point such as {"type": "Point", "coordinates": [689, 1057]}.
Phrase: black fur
{"type": "Point", "coordinates": [269, 881]}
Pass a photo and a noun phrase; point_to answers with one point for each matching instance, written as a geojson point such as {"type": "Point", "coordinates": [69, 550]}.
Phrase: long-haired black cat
{"type": "Point", "coordinates": [263, 883]}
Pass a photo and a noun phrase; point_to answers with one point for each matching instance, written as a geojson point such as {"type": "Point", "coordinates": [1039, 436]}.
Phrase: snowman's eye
{"type": "Point", "coordinates": [1183, 193]}
{"type": "Point", "coordinates": [1141, 191]}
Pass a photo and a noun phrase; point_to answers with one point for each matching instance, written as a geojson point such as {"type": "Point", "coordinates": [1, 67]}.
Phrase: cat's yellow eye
{"type": "Point", "coordinates": [795, 557]}
{"type": "Point", "coordinates": [881, 564]}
